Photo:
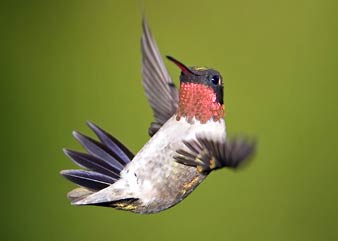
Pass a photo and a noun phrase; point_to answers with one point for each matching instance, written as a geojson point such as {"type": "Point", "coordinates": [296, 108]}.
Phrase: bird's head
{"type": "Point", "coordinates": [201, 93]}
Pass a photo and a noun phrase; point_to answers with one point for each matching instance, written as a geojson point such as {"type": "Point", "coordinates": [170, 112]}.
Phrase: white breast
{"type": "Point", "coordinates": [157, 153]}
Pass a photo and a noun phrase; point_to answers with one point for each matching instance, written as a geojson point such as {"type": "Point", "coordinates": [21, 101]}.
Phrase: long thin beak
{"type": "Point", "coordinates": [184, 68]}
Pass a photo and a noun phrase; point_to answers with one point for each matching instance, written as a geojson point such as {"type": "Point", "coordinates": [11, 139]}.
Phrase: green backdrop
{"type": "Point", "coordinates": [65, 62]}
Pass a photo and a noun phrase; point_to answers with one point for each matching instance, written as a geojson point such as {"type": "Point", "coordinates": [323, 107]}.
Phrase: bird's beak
{"type": "Point", "coordinates": [184, 68]}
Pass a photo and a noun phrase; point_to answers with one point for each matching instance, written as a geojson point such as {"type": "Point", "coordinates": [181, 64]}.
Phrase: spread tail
{"type": "Point", "coordinates": [101, 166]}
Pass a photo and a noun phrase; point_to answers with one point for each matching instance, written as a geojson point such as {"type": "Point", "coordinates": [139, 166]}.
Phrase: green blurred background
{"type": "Point", "coordinates": [65, 62]}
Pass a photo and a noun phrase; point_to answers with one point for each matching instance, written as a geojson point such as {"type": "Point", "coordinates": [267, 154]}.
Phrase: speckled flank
{"type": "Point", "coordinates": [160, 182]}
{"type": "Point", "coordinates": [199, 101]}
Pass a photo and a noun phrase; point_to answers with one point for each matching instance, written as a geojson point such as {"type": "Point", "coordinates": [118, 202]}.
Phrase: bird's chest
{"type": "Point", "coordinates": [155, 176]}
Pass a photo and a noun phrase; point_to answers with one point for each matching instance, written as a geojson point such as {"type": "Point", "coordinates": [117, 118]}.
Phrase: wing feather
{"type": "Point", "coordinates": [159, 87]}
{"type": "Point", "coordinates": [207, 155]}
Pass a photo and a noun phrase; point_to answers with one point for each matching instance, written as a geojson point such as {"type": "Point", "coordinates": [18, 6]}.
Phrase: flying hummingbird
{"type": "Point", "coordinates": [188, 141]}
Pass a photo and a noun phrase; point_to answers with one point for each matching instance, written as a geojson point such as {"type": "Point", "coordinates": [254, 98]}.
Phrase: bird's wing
{"type": "Point", "coordinates": [159, 88]}
{"type": "Point", "coordinates": [207, 155]}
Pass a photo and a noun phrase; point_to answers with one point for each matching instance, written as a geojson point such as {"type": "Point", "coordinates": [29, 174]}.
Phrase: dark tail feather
{"type": "Point", "coordinates": [103, 163]}
{"type": "Point", "coordinates": [112, 143]}
{"type": "Point", "coordinates": [89, 179]}
{"type": "Point", "coordinates": [98, 150]}
{"type": "Point", "coordinates": [92, 163]}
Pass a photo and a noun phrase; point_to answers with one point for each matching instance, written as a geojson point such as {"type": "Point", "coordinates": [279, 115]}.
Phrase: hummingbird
{"type": "Point", "coordinates": [188, 141]}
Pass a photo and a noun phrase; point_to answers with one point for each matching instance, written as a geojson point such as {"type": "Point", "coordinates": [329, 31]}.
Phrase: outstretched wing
{"type": "Point", "coordinates": [207, 155]}
{"type": "Point", "coordinates": [159, 88]}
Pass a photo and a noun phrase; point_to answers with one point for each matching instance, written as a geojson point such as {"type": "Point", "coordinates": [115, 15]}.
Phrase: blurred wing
{"type": "Point", "coordinates": [160, 89]}
{"type": "Point", "coordinates": [207, 155]}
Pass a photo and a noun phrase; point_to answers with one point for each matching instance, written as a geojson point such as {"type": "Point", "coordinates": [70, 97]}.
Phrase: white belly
{"type": "Point", "coordinates": [153, 165]}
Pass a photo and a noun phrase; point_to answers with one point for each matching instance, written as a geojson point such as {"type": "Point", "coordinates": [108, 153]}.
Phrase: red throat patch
{"type": "Point", "coordinates": [199, 101]}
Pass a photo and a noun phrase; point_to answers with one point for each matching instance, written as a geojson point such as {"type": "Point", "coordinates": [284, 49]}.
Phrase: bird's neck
{"type": "Point", "coordinates": [198, 101]}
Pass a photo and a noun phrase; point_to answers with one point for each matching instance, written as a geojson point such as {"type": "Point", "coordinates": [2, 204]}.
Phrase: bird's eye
{"type": "Point", "coordinates": [215, 79]}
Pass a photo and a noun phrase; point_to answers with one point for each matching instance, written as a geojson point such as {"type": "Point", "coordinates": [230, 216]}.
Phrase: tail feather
{"type": "Point", "coordinates": [108, 197]}
{"type": "Point", "coordinates": [122, 152]}
{"type": "Point", "coordinates": [89, 179]}
{"type": "Point", "coordinates": [78, 194]}
{"type": "Point", "coordinates": [101, 166]}
{"type": "Point", "coordinates": [92, 163]}
{"type": "Point", "coordinates": [98, 150]}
